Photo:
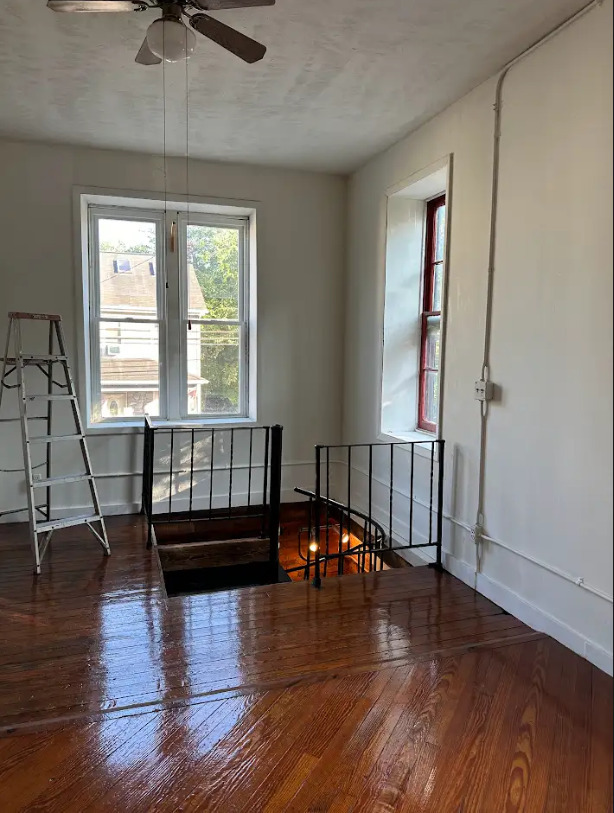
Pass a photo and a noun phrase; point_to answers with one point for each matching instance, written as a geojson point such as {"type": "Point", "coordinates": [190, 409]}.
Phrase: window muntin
{"type": "Point", "coordinates": [430, 343]}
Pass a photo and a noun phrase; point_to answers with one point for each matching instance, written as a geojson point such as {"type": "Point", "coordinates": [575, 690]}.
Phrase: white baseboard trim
{"type": "Point", "coordinates": [516, 605]}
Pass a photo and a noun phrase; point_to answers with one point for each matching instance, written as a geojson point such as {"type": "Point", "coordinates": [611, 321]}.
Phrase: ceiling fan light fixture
{"type": "Point", "coordinates": [171, 40]}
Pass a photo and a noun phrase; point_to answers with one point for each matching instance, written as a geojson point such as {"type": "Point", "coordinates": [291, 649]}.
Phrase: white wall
{"type": "Point", "coordinates": [301, 233]}
{"type": "Point", "coordinates": [402, 325]}
{"type": "Point", "coordinates": [549, 458]}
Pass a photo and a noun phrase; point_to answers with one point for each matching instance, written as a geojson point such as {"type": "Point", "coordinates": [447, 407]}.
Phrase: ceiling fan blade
{"type": "Point", "coordinates": [93, 5]}
{"type": "Point", "coordinates": [145, 55]}
{"type": "Point", "coordinates": [245, 48]}
{"type": "Point", "coordinates": [218, 5]}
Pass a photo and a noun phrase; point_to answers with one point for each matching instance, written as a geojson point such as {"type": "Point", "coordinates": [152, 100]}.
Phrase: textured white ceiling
{"type": "Point", "coordinates": [342, 80]}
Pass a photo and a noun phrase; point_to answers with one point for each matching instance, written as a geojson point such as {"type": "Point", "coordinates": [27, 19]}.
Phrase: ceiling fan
{"type": "Point", "coordinates": [168, 38]}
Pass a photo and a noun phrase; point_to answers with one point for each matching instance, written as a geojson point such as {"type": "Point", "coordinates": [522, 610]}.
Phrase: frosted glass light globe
{"type": "Point", "coordinates": [171, 40]}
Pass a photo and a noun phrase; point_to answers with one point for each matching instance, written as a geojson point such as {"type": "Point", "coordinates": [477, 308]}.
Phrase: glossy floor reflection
{"type": "Point", "coordinates": [403, 690]}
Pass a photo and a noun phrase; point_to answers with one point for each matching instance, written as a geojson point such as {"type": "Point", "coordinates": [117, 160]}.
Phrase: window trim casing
{"type": "Point", "coordinates": [83, 198]}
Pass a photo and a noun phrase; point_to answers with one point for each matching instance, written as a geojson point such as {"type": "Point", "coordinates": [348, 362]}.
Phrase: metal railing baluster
{"type": "Point", "coordinates": [440, 484]}
{"type": "Point", "coordinates": [230, 473]}
{"type": "Point", "coordinates": [170, 476]}
{"type": "Point", "coordinates": [391, 496]}
{"type": "Point", "coordinates": [317, 581]}
{"type": "Point", "coordinates": [310, 539]}
{"type": "Point", "coordinates": [411, 497]}
{"type": "Point", "coordinates": [431, 494]}
{"type": "Point", "coordinates": [274, 514]}
{"type": "Point", "coordinates": [249, 472]}
{"type": "Point", "coordinates": [265, 482]}
{"type": "Point", "coordinates": [191, 471]}
{"type": "Point", "coordinates": [327, 510]}
{"type": "Point", "coordinates": [211, 472]}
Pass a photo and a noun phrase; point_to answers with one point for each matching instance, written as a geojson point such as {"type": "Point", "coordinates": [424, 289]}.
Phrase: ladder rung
{"type": "Point", "coordinates": [54, 438]}
{"type": "Point", "coordinates": [23, 510]}
{"type": "Point", "coordinates": [12, 420]}
{"type": "Point", "coordinates": [51, 398]}
{"type": "Point", "coordinates": [46, 317]}
{"type": "Point", "coordinates": [40, 359]}
{"type": "Point", "coordinates": [68, 522]}
{"type": "Point", "coordinates": [55, 481]}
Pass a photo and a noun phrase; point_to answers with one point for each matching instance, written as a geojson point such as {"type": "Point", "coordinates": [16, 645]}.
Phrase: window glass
{"type": "Point", "coordinates": [433, 336]}
{"type": "Point", "coordinates": [431, 397]}
{"type": "Point", "coordinates": [214, 363]}
{"type": "Point", "coordinates": [127, 262]}
{"type": "Point", "coordinates": [129, 370]}
{"type": "Point", "coordinates": [213, 272]}
{"type": "Point", "coordinates": [440, 233]}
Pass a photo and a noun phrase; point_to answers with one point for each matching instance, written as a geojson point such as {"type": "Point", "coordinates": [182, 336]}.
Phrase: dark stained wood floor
{"type": "Point", "coordinates": [394, 691]}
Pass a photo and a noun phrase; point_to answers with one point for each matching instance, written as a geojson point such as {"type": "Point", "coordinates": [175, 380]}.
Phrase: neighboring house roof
{"type": "Point", "coordinates": [135, 286]}
{"type": "Point", "coordinates": [134, 372]}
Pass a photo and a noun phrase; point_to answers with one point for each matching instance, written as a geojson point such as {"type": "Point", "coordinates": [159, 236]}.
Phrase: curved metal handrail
{"type": "Point", "coordinates": [380, 534]}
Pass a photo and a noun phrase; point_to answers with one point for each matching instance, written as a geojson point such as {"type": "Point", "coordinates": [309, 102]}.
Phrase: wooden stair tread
{"type": "Point", "coordinates": [213, 553]}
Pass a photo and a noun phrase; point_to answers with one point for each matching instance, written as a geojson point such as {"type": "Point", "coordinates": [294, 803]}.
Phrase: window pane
{"type": "Point", "coordinates": [440, 232]}
{"type": "Point", "coordinates": [127, 262]}
{"type": "Point", "coordinates": [431, 397]}
{"type": "Point", "coordinates": [213, 272]}
{"type": "Point", "coordinates": [437, 286]}
{"type": "Point", "coordinates": [129, 370]}
{"type": "Point", "coordinates": [213, 367]}
{"type": "Point", "coordinates": [433, 342]}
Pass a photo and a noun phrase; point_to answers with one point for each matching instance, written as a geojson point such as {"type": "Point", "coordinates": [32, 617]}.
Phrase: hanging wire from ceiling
{"type": "Point", "coordinates": [164, 146]}
{"type": "Point", "coordinates": [187, 134]}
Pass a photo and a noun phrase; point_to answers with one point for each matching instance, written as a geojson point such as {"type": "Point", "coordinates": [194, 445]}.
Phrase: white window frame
{"type": "Point", "coordinates": [172, 299]}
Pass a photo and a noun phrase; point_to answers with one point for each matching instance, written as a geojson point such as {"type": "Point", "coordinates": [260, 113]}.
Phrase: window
{"type": "Point", "coordinates": [430, 342]}
{"type": "Point", "coordinates": [168, 327]}
{"type": "Point", "coordinates": [417, 221]}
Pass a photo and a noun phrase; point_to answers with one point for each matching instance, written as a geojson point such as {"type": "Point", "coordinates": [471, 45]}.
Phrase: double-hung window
{"type": "Point", "coordinates": [168, 322]}
{"type": "Point", "coordinates": [432, 288]}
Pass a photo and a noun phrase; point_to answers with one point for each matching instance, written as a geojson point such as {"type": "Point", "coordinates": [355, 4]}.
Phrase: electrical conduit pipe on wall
{"type": "Point", "coordinates": [478, 533]}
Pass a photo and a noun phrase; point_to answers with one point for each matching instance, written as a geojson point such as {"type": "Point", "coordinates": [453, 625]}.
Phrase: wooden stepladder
{"type": "Point", "coordinates": [14, 366]}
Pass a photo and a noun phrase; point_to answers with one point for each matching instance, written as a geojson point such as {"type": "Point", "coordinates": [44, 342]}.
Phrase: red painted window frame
{"type": "Point", "coordinates": [428, 289]}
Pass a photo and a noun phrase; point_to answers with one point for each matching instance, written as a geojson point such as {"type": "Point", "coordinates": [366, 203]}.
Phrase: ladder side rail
{"type": "Point", "coordinates": [26, 445]}
{"type": "Point", "coordinates": [6, 358]}
{"type": "Point", "coordinates": [48, 460]}
{"type": "Point", "coordinates": [82, 442]}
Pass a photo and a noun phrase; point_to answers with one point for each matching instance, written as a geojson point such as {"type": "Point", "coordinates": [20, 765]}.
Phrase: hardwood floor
{"type": "Point", "coordinates": [395, 691]}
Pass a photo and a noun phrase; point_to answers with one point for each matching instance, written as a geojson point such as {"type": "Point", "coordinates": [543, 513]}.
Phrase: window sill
{"type": "Point", "coordinates": [417, 436]}
{"type": "Point", "coordinates": [134, 427]}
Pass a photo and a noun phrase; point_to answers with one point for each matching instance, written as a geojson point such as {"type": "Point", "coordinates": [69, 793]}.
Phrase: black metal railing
{"type": "Point", "coordinates": [347, 524]}
{"type": "Point", "coordinates": [205, 459]}
{"type": "Point", "coordinates": [380, 517]}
